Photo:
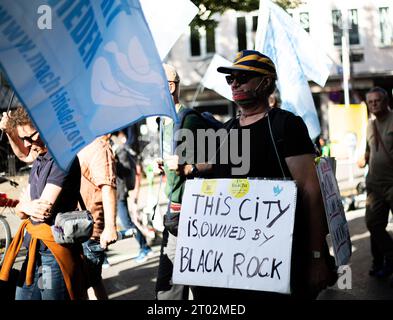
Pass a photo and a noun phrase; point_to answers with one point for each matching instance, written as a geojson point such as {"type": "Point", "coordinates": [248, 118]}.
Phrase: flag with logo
{"type": "Point", "coordinates": [82, 68]}
{"type": "Point", "coordinates": [297, 59]}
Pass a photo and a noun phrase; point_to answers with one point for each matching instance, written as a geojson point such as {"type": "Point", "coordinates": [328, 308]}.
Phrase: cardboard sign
{"type": "Point", "coordinates": [236, 233]}
{"type": "Point", "coordinates": [335, 214]}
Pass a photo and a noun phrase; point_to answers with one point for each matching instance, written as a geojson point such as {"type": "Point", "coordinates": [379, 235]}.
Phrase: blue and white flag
{"type": "Point", "coordinates": [94, 70]}
{"type": "Point", "coordinates": [297, 59]}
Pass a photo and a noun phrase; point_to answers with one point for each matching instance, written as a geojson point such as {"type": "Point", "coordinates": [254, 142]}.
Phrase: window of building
{"type": "Point", "coordinates": [210, 39]}
{"type": "Point", "coordinates": [241, 33]}
{"type": "Point", "coordinates": [305, 20]}
{"type": "Point", "coordinates": [385, 27]}
{"type": "Point", "coordinates": [195, 39]}
{"type": "Point", "coordinates": [353, 25]}
{"type": "Point", "coordinates": [246, 29]}
{"type": "Point", "coordinates": [337, 27]}
{"type": "Point", "coordinates": [202, 40]}
{"type": "Point", "coordinates": [254, 23]}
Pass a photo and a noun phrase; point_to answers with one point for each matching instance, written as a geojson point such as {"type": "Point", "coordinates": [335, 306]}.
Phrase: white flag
{"type": "Point", "coordinates": [214, 82]}
{"type": "Point", "coordinates": [168, 20]}
{"type": "Point", "coordinates": [297, 59]}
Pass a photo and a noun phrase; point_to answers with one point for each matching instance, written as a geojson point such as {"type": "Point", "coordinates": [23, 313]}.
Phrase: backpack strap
{"type": "Point", "coordinates": [231, 123]}
{"type": "Point", "coordinates": [179, 125]}
{"type": "Point", "coordinates": [81, 202]}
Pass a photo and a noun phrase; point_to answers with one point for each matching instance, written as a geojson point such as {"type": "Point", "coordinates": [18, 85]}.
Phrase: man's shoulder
{"type": "Point", "coordinates": [282, 114]}
{"type": "Point", "coordinates": [369, 123]}
{"type": "Point", "coordinates": [230, 123]}
{"type": "Point", "coordinates": [193, 119]}
{"type": "Point", "coordinates": [96, 147]}
{"type": "Point", "coordinates": [187, 113]}
{"type": "Point", "coordinates": [88, 150]}
{"type": "Point", "coordinates": [283, 120]}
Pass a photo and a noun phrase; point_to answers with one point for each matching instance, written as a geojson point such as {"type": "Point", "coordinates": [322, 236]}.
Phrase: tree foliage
{"type": "Point", "coordinates": [207, 8]}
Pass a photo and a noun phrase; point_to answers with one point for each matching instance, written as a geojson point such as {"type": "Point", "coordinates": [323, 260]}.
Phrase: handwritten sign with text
{"type": "Point", "coordinates": [236, 233]}
{"type": "Point", "coordinates": [338, 226]}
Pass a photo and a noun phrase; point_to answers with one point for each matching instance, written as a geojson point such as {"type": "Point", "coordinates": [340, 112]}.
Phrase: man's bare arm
{"type": "Point", "coordinates": [40, 209]}
{"type": "Point", "coordinates": [303, 171]}
{"type": "Point", "coordinates": [363, 161]}
{"type": "Point", "coordinates": [186, 169]}
{"type": "Point", "coordinates": [109, 235]}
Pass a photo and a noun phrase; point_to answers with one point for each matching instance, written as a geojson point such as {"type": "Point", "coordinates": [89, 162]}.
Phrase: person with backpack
{"type": "Point", "coordinates": [176, 175]}
{"type": "Point", "coordinates": [125, 182]}
{"type": "Point", "coordinates": [280, 148]}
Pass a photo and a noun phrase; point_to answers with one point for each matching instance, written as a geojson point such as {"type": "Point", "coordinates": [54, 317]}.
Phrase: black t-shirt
{"type": "Point", "coordinates": [44, 171]}
{"type": "Point", "coordinates": [125, 171]}
{"type": "Point", "coordinates": [290, 136]}
{"type": "Point", "coordinates": [291, 139]}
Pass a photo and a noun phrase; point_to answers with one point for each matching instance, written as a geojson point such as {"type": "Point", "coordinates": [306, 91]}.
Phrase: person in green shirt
{"type": "Point", "coordinates": [325, 147]}
{"type": "Point", "coordinates": [176, 174]}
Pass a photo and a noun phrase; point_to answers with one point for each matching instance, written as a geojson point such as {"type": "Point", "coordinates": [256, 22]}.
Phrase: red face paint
{"type": "Point", "coordinates": [244, 98]}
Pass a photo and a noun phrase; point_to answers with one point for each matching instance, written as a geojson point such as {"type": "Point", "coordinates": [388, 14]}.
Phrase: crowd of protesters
{"type": "Point", "coordinates": [105, 171]}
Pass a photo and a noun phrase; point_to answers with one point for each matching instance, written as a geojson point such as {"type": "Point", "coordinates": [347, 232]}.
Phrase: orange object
{"type": "Point", "coordinates": [68, 258]}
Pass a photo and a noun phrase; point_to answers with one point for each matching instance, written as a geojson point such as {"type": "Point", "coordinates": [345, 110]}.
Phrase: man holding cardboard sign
{"type": "Point", "coordinates": [280, 148]}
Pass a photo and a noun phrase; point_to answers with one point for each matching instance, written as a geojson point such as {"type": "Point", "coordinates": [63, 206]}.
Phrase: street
{"type": "Point", "coordinates": [249, 128]}
{"type": "Point", "coordinates": [127, 280]}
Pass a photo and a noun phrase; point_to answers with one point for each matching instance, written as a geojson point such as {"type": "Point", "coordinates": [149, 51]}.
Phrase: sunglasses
{"type": "Point", "coordinates": [240, 78]}
{"type": "Point", "coordinates": [29, 138]}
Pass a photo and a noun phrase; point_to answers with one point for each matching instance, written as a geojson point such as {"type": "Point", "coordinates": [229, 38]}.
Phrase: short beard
{"type": "Point", "coordinates": [246, 102]}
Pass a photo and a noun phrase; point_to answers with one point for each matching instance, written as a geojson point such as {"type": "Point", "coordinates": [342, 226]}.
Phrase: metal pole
{"type": "Point", "coordinates": [345, 56]}
{"type": "Point", "coordinates": [346, 76]}
{"type": "Point", "coordinates": [8, 108]}
{"type": "Point", "coordinates": [198, 90]}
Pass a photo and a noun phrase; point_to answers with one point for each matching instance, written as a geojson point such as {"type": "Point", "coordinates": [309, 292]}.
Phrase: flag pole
{"type": "Point", "coordinates": [198, 90]}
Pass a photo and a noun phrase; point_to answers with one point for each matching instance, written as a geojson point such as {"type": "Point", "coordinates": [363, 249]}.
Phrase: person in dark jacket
{"type": "Point", "coordinates": [125, 182]}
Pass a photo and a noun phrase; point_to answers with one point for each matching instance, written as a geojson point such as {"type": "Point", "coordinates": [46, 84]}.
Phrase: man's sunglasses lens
{"type": "Point", "coordinates": [29, 138]}
{"type": "Point", "coordinates": [240, 79]}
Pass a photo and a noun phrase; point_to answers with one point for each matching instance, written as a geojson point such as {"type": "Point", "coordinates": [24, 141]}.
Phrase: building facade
{"type": "Point", "coordinates": [370, 30]}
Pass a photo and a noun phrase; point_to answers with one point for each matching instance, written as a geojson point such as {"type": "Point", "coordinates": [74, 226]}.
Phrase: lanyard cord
{"type": "Point", "coordinates": [274, 145]}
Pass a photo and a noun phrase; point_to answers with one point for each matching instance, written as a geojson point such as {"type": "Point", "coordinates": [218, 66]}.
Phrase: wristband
{"type": "Point", "coordinates": [194, 171]}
